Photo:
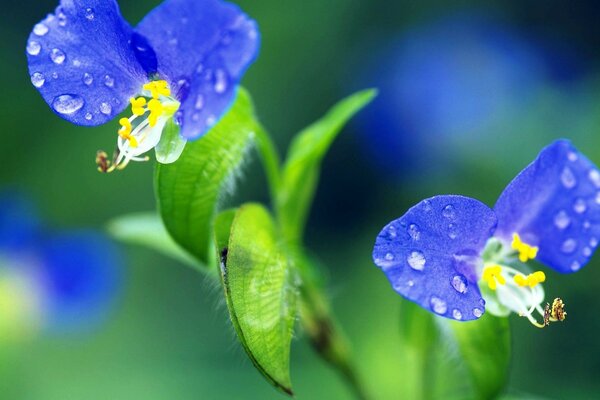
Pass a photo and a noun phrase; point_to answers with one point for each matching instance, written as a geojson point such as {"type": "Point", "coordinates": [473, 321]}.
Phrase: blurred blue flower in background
{"type": "Point", "coordinates": [450, 85]}
{"type": "Point", "coordinates": [187, 56]}
{"type": "Point", "coordinates": [445, 249]}
{"type": "Point", "coordinates": [52, 282]}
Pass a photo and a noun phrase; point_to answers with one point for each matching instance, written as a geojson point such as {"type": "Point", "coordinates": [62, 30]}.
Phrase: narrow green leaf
{"type": "Point", "coordinates": [260, 290]}
{"type": "Point", "coordinates": [188, 191]}
{"type": "Point", "coordinates": [146, 229]}
{"type": "Point", "coordinates": [484, 346]}
{"type": "Point", "coordinates": [302, 167]}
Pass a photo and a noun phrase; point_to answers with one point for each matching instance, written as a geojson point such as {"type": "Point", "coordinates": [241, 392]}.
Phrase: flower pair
{"type": "Point", "coordinates": [457, 258]}
{"type": "Point", "coordinates": [181, 64]}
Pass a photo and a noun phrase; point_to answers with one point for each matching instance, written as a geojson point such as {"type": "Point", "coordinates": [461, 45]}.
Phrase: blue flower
{"type": "Point", "coordinates": [55, 282]}
{"type": "Point", "coordinates": [456, 257]}
{"type": "Point", "coordinates": [182, 63]}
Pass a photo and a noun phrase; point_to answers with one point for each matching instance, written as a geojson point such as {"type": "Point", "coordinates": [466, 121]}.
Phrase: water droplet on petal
{"type": "Point", "coordinates": [561, 219]}
{"type": "Point", "coordinates": [211, 120]}
{"type": "Point", "coordinates": [593, 242]}
{"type": "Point", "coordinates": [109, 81]}
{"type": "Point", "coordinates": [38, 80]}
{"type": "Point", "coordinates": [427, 205]}
{"type": "Point", "coordinates": [579, 206]}
{"type": "Point", "coordinates": [89, 14]}
{"type": "Point", "coordinates": [586, 224]}
{"type": "Point", "coordinates": [392, 231]}
{"type": "Point", "coordinates": [88, 79]}
{"type": "Point", "coordinates": [448, 211]}
{"type": "Point", "coordinates": [567, 178]}
{"type": "Point", "coordinates": [199, 102]}
{"type": "Point", "coordinates": [438, 305]}
{"type": "Point", "coordinates": [410, 283]}
{"type": "Point", "coordinates": [477, 312]}
{"type": "Point", "coordinates": [67, 104]}
{"type": "Point", "coordinates": [572, 156]}
{"type": "Point", "coordinates": [456, 314]}
{"type": "Point", "coordinates": [586, 251]}
{"type": "Point", "coordinates": [105, 108]}
{"type": "Point", "coordinates": [568, 246]}
{"type": "Point", "coordinates": [89, 116]}
{"type": "Point", "coordinates": [57, 56]}
{"type": "Point", "coordinates": [55, 75]}
{"type": "Point", "coordinates": [33, 48]}
{"type": "Point", "coordinates": [452, 231]}
{"type": "Point", "coordinates": [594, 177]}
{"type": "Point", "coordinates": [459, 283]}
{"type": "Point", "coordinates": [575, 266]}
{"type": "Point", "coordinates": [62, 18]}
{"type": "Point", "coordinates": [597, 199]}
{"type": "Point", "coordinates": [413, 231]}
{"type": "Point", "coordinates": [200, 69]}
{"type": "Point", "coordinates": [40, 29]}
{"type": "Point", "coordinates": [196, 117]}
{"type": "Point", "coordinates": [220, 81]}
{"type": "Point", "coordinates": [389, 256]}
{"type": "Point", "coordinates": [416, 260]}
{"type": "Point", "coordinates": [482, 302]}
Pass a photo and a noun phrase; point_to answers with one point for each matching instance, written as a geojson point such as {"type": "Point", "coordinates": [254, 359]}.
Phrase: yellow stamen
{"type": "Point", "coordinates": [492, 274]}
{"type": "Point", "coordinates": [156, 110]}
{"type": "Point", "coordinates": [125, 132]}
{"type": "Point", "coordinates": [138, 106]}
{"type": "Point", "coordinates": [531, 280]}
{"type": "Point", "coordinates": [158, 88]}
{"type": "Point", "coordinates": [526, 251]}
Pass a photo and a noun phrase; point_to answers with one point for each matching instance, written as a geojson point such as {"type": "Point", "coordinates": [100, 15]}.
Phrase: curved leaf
{"type": "Point", "coordinates": [188, 191]}
{"type": "Point", "coordinates": [260, 290]}
{"type": "Point", "coordinates": [301, 169]}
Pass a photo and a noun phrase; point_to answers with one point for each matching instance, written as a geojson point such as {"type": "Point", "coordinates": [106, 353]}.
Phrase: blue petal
{"type": "Point", "coordinates": [554, 203]}
{"type": "Point", "coordinates": [430, 254]}
{"type": "Point", "coordinates": [203, 49]}
{"type": "Point", "coordinates": [81, 61]}
{"type": "Point", "coordinates": [81, 278]}
{"type": "Point", "coordinates": [19, 223]}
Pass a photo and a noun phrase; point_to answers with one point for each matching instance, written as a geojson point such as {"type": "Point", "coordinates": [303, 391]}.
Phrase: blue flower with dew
{"type": "Point", "coordinates": [456, 257]}
{"type": "Point", "coordinates": [53, 282]}
{"type": "Point", "coordinates": [182, 63]}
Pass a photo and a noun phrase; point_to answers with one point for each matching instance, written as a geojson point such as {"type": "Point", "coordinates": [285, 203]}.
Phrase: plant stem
{"type": "Point", "coordinates": [271, 163]}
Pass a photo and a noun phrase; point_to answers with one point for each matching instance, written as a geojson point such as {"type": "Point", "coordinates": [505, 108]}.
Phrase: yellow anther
{"type": "Point", "coordinates": [526, 251]}
{"type": "Point", "coordinates": [138, 106]}
{"type": "Point", "coordinates": [125, 132]}
{"type": "Point", "coordinates": [156, 110]}
{"type": "Point", "coordinates": [493, 276]}
{"type": "Point", "coordinates": [158, 88]}
{"type": "Point", "coordinates": [531, 280]}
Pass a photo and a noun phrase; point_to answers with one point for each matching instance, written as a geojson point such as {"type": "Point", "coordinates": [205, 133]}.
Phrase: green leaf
{"type": "Point", "coordinates": [259, 285]}
{"type": "Point", "coordinates": [189, 190]}
{"type": "Point", "coordinates": [146, 229]}
{"type": "Point", "coordinates": [302, 167]}
{"type": "Point", "coordinates": [171, 144]}
{"type": "Point", "coordinates": [484, 346]}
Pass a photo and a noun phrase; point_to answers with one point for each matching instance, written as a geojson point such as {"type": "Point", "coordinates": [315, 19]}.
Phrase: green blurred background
{"type": "Point", "coordinates": [169, 337]}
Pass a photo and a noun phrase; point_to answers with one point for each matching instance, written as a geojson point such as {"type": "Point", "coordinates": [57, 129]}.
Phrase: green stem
{"type": "Point", "coordinates": [271, 163]}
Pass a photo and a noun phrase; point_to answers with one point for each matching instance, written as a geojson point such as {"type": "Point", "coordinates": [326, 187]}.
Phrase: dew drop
{"type": "Point", "coordinates": [88, 116]}
{"type": "Point", "coordinates": [427, 205]}
{"type": "Point", "coordinates": [416, 260]}
{"type": "Point", "coordinates": [594, 177]}
{"type": "Point", "coordinates": [76, 63]}
{"type": "Point", "coordinates": [105, 108]}
{"type": "Point", "coordinates": [200, 68]}
{"type": "Point", "coordinates": [199, 105]}
{"type": "Point", "coordinates": [38, 80]}
{"type": "Point", "coordinates": [389, 256]}
{"type": "Point", "coordinates": [567, 178]}
{"type": "Point", "coordinates": [586, 224]}
{"type": "Point", "coordinates": [438, 305]}
{"type": "Point", "coordinates": [448, 211]}
{"type": "Point", "coordinates": [477, 312]}
{"type": "Point", "coordinates": [482, 302]}
{"type": "Point", "coordinates": [55, 75]}
{"type": "Point", "coordinates": [57, 56]}
{"type": "Point", "coordinates": [456, 314]}
{"type": "Point", "coordinates": [593, 242]}
{"type": "Point", "coordinates": [392, 231]}
{"type": "Point", "coordinates": [109, 81]}
{"type": "Point", "coordinates": [572, 156]}
{"type": "Point", "coordinates": [452, 231]}
{"type": "Point", "coordinates": [62, 18]}
{"type": "Point", "coordinates": [410, 283]}
{"type": "Point", "coordinates": [67, 104]}
{"type": "Point", "coordinates": [220, 81]}
{"type": "Point", "coordinates": [579, 206]}
{"type": "Point", "coordinates": [33, 48]}
{"type": "Point", "coordinates": [40, 29]}
{"type": "Point", "coordinates": [561, 220]}
{"type": "Point", "coordinates": [568, 246]}
{"type": "Point", "coordinates": [597, 198]}
{"type": "Point", "coordinates": [88, 79]}
{"type": "Point", "coordinates": [211, 120]}
{"type": "Point", "coordinates": [587, 251]}
{"type": "Point", "coordinates": [575, 266]}
{"type": "Point", "coordinates": [90, 14]}
{"type": "Point", "coordinates": [413, 231]}
{"type": "Point", "coordinates": [459, 283]}
{"type": "Point", "coordinates": [196, 117]}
